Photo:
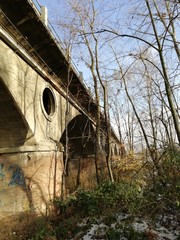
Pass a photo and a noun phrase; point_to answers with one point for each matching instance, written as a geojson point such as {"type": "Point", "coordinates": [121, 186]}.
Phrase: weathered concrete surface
{"type": "Point", "coordinates": [28, 181]}
{"type": "Point", "coordinates": [31, 156]}
{"type": "Point", "coordinates": [24, 88]}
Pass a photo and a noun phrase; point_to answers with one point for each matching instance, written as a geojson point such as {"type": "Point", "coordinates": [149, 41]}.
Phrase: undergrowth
{"type": "Point", "coordinates": [158, 196]}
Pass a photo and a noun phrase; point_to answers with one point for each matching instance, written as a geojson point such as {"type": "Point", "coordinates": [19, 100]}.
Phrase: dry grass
{"type": "Point", "coordinates": [17, 226]}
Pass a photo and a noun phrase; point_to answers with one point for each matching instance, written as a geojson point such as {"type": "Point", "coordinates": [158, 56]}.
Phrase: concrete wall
{"type": "Point", "coordinates": [31, 155]}
{"type": "Point", "coordinates": [29, 180]}
{"type": "Point", "coordinates": [26, 88]}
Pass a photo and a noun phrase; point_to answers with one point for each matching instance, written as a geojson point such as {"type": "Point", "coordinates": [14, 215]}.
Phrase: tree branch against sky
{"type": "Point", "coordinates": [134, 28]}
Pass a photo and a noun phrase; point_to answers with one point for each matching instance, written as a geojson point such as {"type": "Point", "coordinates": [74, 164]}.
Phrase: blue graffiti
{"type": "Point", "coordinates": [17, 178]}
{"type": "Point", "coordinates": [2, 175]}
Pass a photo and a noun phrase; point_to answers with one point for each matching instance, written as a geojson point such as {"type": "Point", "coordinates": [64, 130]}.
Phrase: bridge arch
{"type": "Point", "coordinates": [79, 137]}
{"type": "Point", "coordinates": [14, 130]}
{"type": "Point", "coordinates": [78, 140]}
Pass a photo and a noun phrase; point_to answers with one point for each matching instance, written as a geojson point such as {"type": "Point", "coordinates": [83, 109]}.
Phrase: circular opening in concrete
{"type": "Point", "coordinates": [48, 101]}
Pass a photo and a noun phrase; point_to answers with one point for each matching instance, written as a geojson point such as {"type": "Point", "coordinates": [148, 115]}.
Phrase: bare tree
{"type": "Point", "coordinates": [157, 31]}
{"type": "Point", "coordinates": [85, 19]}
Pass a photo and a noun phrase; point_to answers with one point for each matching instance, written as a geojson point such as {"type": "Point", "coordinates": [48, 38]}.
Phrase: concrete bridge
{"type": "Point", "coordinates": [43, 102]}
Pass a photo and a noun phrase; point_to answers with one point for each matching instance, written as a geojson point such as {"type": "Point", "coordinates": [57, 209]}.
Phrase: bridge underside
{"type": "Point", "coordinates": [13, 130]}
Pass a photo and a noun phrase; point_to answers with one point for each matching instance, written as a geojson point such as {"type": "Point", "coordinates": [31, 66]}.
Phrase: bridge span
{"type": "Point", "coordinates": [46, 112]}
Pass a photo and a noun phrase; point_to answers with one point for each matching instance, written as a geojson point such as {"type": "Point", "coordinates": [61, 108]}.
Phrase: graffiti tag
{"type": "Point", "coordinates": [17, 178]}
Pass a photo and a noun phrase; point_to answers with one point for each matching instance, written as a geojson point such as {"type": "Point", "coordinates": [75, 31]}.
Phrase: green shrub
{"type": "Point", "coordinates": [67, 228]}
{"type": "Point", "coordinates": [113, 234]}
{"type": "Point", "coordinates": [41, 229]}
{"type": "Point", "coordinates": [108, 197]}
{"type": "Point", "coordinates": [87, 203]}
